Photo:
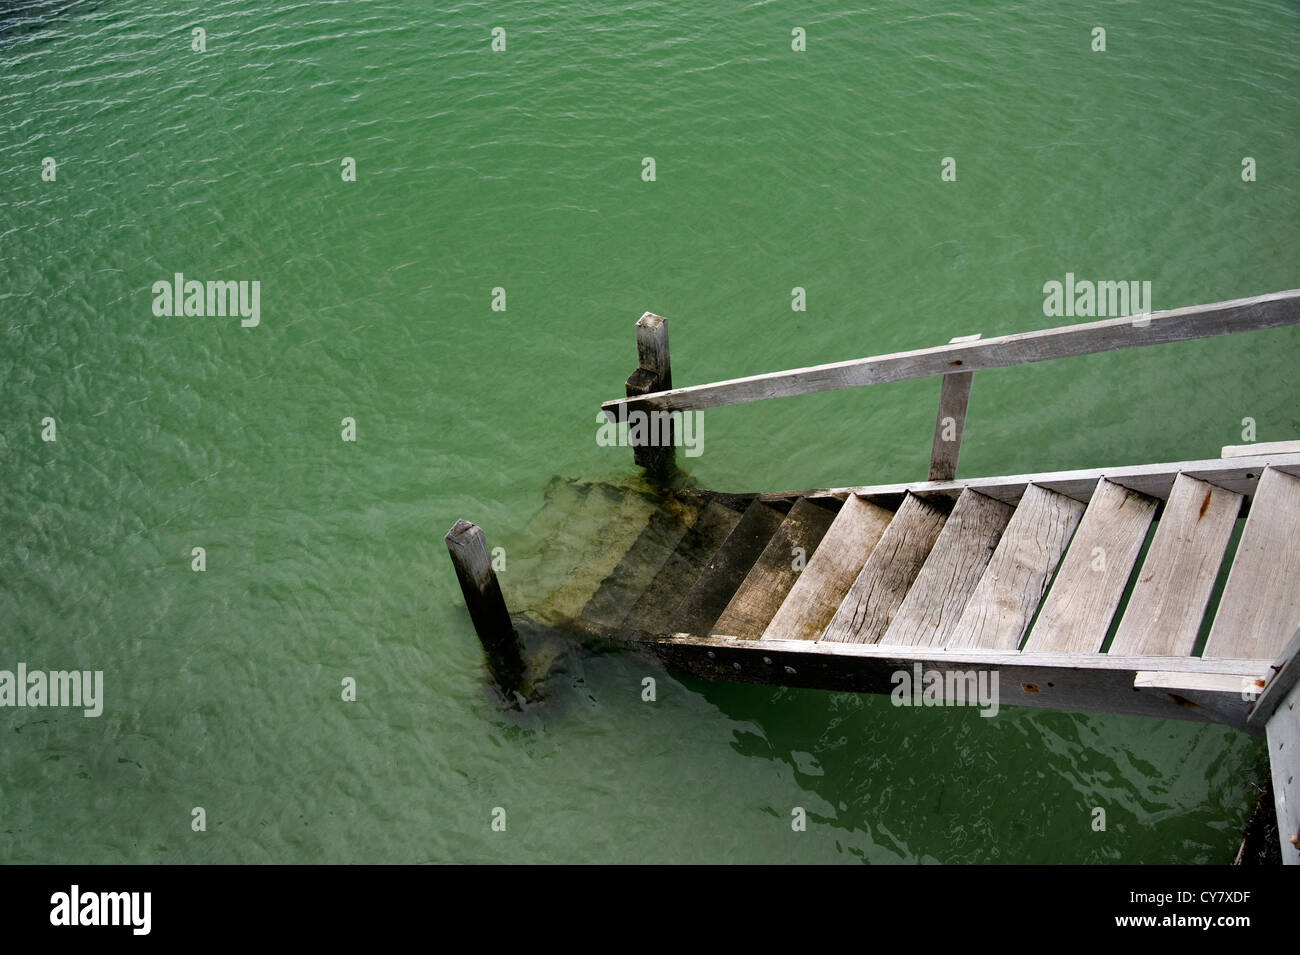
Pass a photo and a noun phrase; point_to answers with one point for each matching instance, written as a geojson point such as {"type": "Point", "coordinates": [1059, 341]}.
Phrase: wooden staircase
{"type": "Point", "coordinates": [1166, 590]}
{"type": "Point", "coordinates": [1038, 570]}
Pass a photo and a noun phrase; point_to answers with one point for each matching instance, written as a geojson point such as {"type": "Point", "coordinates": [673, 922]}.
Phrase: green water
{"type": "Point", "coordinates": [522, 169]}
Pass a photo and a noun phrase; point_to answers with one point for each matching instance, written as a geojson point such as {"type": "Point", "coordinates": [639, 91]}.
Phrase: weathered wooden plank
{"type": "Point", "coordinates": [822, 586]}
{"type": "Point", "coordinates": [467, 546]}
{"type": "Point", "coordinates": [985, 657]}
{"type": "Point", "coordinates": [1078, 611]}
{"type": "Point", "coordinates": [1154, 480]}
{"type": "Point", "coordinates": [1218, 682]}
{"type": "Point", "coordinates": [1172, 588]}
{"type": "Point", "coordinates": [1262, 447]}
{"type": "Point", "coordinates": [930, 611]}
{"type": "Point", "coordinates": [1004, 601]}
{"type": "Point", "coordinates": [716, 585]}
{"type": "Point", "coordinates": [1260, 607]}
{"type": "Point", "coordinates": [661, 535]}
{"type": "Point", "coordinates": [1283, 735]}
{"type": "Point", "coordinates": [1091, 682]}
{"type": "Point", "coordinates": [653, 373]}
{"type": "Point", "coordinates": [682, 569]}
{"type": "Point", "coordinates": [1282, 677]}
{"type": "Point", "coordinates": [1274, 310]}
{"type": "Point", "coordinates": [1278, 711]}
{"type": "Point", "coordinates": [954, 398]}
{"type": "Point", "coordinates": [877, 593]}
{"type": "Point", "coordinates": [769, 581]}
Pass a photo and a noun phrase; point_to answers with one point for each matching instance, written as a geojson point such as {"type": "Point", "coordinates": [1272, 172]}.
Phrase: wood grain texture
{"type": "Point", "coordinates": [729, 566]}
{"type": "Point", "coordinates": [1078, 611]}
{"type": "Point", "coordinates": [1094, 682]}
{"type": "Point", "coordinates": [1283, 734]}
{"type": "Point", "coordinates": [653, 373]}
{"type": "Point", "coordinates": [769, 581]}
{"type": "Point", "coordinates": [930, 611]}
{"type": "Point", "coordinates": [467, 546]}
{"type": "Point", "coordinates": [877, 593]}
{"type": "Point", "coordinates": [824, 583]}
{"type": "Point", "coordinates": [1172, 588]}
{"type": "Point", "coordinates": [954, 399]}
{"type": "Point", "coordinates": [1283, 676]}
{"type": "Point", "coordinates": [1274, 310]}
{"type": "Point", "coordinates": [652, 346]}
{"type": "Point", "coordinates": [1263, 447]}
{"type": "Point", "coordinates": [1004, 601]}
{"type": "Point", "coordinates": [1154, 480]}
{"type": "Point", "coordinates": [1260, 607]}
{"type": "Point", "coordinates": [682, 569]}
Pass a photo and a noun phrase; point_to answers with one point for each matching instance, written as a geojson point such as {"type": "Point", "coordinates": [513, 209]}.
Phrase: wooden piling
{"type": "Point", "coordinates": [653, 373]}
{"type": "Point", "coordinates": [469, 552]}
{"type": "Point", "coordinates": [954, 396]}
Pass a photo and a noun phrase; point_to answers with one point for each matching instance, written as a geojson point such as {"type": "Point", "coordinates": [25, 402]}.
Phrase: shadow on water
{"type": "Point", "coordinates": [945, 784]}
{"type": "Point", "coordinates": [22, 19]}
{"type": "Point", "coordinates": [552, 676]}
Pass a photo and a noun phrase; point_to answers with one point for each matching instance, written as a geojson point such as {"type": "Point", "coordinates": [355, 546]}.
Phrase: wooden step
{"type": "Point", "coordinates": [1260, 607]}
{"type": "Point", "coordinates": [661, 535]}
{"type": "Point", "coordinates": [677, 577]}
{"type": "Point", "coordinates": [1077, 613]}
{"type": "Point", "coordinates": [598, 557]}
{"type": "Point", "coordinates": [1172, 588]}
{"type": "Point", "coordinates": [540, 557]}
{"type": "Point", "coordinates": [765, 588]}
{"type": "Point", "coordinates": [821, 588]}
{"type": "Point", "coordinates": [729, 566]}
{"type": "Point", "coordinates": [878, 591]}
{"type": "Point", "coordinates": [1004, 601]}
{"type": "Point", "coordinates": [930, 611]}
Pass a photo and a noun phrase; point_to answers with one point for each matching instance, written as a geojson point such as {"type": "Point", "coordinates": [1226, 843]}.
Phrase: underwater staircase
{"type": "Point", "coordinates": [1164, 590]}
{"type": "Point", "coordinates": [1088, 574]}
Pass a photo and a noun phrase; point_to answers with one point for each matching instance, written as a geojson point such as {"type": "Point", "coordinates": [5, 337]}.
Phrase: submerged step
{"type": "Point", "coordinates": [540, 557]}
{"type": "Point", "coordinates": [765, 587]}
{"type": "Point", "coordinates": [623, 524]}
{"type": "Point", "coordinates": [682, 569]}
{"type": "Point", "coordinates": [729, 566]}
{"type": "Point", "coordinates": [664, 530]}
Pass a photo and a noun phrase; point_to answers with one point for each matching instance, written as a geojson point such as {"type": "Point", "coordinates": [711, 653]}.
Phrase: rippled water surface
{"type": "Point", "coordinates": [522, 169]}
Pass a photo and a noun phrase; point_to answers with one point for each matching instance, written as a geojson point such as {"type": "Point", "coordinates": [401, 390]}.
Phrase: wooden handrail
{"type": "Point", "coordinates": [1275, 310]}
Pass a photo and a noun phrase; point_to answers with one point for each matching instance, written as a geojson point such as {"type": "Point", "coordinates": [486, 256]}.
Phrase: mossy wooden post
{"type": "Point", "coordinates": [954, 396]}
{"type": "Point", "coordinates": [653, 373]}
{"type": "Point", "coordinates": [487, 608]}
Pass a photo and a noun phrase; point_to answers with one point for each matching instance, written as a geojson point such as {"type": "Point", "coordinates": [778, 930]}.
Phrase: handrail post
{"type": "Point", "coordinates": [468, 548]}
{"type": "Point", "coordinates": [653, 373]}
{"type": "Point", "coordinates": [954, 396]}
